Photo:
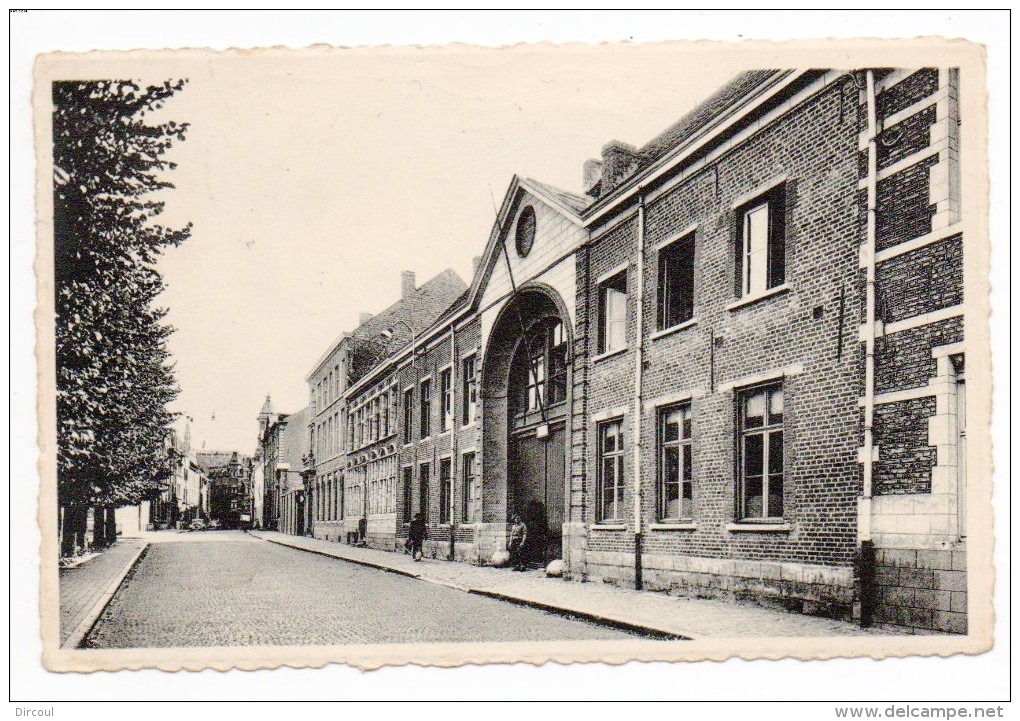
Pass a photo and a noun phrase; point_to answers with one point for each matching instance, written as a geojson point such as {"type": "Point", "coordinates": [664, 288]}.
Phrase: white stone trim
{"type": "Point", "coordinates": [907, 394]}
{"type": "Point", "coordinates": [692, 228]}
{"type": "Point", "coordinates": [931, 238]}
{"type": "Point", "coordinates": [666, 526]}
{"type": "Point", "coordinates": [924, 319]}
{"type": "Point", "coordinates": [944, 351]}
{"type": "Point", "coordinates": [911, 160]}
{"type": "Point", "coordinates": [740, 527]}
{"type": "Point", "coordinates": [669, 399]}
{"type": "Point", "coordinates": [898, 117]}
{"type": "Point", "coordinates": [609, 414]}
{"type": "Point", "coordinates": [772, 375]}
{"type": "Point", "coordinates": [749, 299]}
{"type": "Point", "coordinates": [760, 190]}
{"type": "Point", "coordinates": [673, 329]}
{"type": "Point", "coordinates": [609, 274]}
{"type": "Point", "coordinates": [609, 354]}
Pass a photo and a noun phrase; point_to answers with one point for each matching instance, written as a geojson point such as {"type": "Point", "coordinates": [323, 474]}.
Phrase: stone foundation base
{"type": "Point", "coordinates": [922, 590]}
{"type": "Point", "coordinates": [329, 530]}
{"type": "Point", "coordinates": [807, 588]}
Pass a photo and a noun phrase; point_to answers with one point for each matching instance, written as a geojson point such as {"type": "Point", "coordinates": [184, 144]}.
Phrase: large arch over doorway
{"type": "Point", "coordinates": [525, 393]}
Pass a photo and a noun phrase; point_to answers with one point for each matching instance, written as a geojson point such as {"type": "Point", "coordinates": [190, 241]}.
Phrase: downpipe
{"type": "Point", "coordinates": [638, 389]}
{"type": "Point", "coordinates": [867, 549]}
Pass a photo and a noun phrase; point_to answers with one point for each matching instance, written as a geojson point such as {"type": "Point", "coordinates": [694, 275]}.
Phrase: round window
{"type": "Point", "coordinates": [525, 234]}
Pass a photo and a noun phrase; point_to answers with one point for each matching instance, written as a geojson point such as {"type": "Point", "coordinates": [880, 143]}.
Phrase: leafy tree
{"type": "Point", "coordinates": [114, 374]}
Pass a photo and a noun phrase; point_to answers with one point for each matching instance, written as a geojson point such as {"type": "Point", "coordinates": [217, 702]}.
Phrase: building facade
{"type": "Point", "coordinates": [339, 504]}
{"type": "Point", "coordinates": [734, 367]}
{"type": "Point", "coordinates": [229, 479]}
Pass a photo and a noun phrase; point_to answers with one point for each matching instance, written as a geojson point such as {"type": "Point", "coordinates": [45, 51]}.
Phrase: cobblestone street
{"type": "Point", "coordinates": [227, 589]}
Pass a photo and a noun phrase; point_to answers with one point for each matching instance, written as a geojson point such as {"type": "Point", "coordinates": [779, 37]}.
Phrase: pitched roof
{"type": "Point", "coordinates": [420, 310]}
{"type": "Point", "coordinates": [573, 201]}
{"type": "Point", "coordinates": [208, 460]}
{"type": "Point", "coordinates": [702, 114]}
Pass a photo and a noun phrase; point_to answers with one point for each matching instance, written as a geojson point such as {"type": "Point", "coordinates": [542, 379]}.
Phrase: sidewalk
{"type": "Point", "coordinates": [645, 611]}
{"type": "Point", "coordinates": [82, 589]}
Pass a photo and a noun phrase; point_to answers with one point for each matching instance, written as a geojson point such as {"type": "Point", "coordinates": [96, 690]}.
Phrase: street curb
{"type": "Point", "coordinates": [79, 634]}
{"type": "Point", "coordinates": [357, 562]}
{"type": "Point", "coordinates": [656, 633]}
{"type": "Point", "coordinates": [653, 632]}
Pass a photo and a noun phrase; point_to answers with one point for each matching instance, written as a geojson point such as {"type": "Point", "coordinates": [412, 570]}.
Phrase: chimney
{"type": "Point", "coordinates": [364, 318]}
{"type": "Point", "coordinates": [407, 286]}
{"type": "Point", "coordinates": [619, 161]}
{"type": "Point", "coordinates": [592, 177]}
{"type": "Point", "coordinates": [475, 262]}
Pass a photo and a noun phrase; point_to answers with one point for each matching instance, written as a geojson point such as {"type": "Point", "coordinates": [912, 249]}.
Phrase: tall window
{"type": "Point", "coordinates": [469, 391]}
{"type": "Point", "coordinates": [424, 471]}
{"type": "Point", "coordinates": [408, 497]}
{"type": "Point", "coordinates": [676, 282]}
{"type": "Point", "coordinates": [613, 313]}
{"type": "Point", "coordinates": [536, 375]}
{"type": "Point", "coordinates": [446, 399]}
{"type": "Point", "coordinates": [384, 414]}
{"type": "Point", "coordinates": [445, 490]}
{"type": "Point", "coordinates": [408, 415]}
{"type": "Point", "coordinates": [762, 257]}
{"type": "Point", "coordinates": [610, 479]}
{"type": "Point", "coordinates": [469, 495]}
{"type": "Point", "coordinates": [761, 452]}
{"type": "Point", "coordinates": [425, 413]}
{"type": "Point", "coordinates": [557, 364]}
{"type": "Point", "coordinates": [676, 480]}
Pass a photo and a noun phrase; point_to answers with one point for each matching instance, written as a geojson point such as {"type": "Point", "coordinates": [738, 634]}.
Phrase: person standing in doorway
{"type": "Point", "coordinates": [417, 533]}
{"type": "Point", "coordinates": [515, 546]}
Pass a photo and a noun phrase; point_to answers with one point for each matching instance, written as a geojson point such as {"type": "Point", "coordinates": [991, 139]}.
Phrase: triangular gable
{"type": "Point", "coordinates": [507, 211]}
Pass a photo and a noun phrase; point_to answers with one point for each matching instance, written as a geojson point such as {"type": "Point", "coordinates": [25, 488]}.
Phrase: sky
{"type": "Point", "coordinates": [313, 182]}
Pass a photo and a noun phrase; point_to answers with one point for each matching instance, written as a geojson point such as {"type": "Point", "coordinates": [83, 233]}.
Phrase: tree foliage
{"type": "Point", "coordinates": [114, 372]}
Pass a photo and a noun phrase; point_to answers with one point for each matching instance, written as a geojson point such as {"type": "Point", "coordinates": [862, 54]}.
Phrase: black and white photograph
{"type": "Point", "coordinates": [455, 354]}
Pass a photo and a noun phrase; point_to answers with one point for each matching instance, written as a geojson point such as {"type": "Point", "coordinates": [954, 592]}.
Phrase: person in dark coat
{"type": "Point", "coordinates": [417, 534]}
{"type": "Point", "coordinates": [518, 539]}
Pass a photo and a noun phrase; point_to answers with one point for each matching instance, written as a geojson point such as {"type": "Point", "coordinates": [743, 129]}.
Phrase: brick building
{"type": "Point", "coordinates": [733, 367]}
{"type": "Point", "coordinates": [281, 446]}
{"type": "Point", "coordinates": [346, 361]}
{"type": "Point", "coordinates": [229, 495]}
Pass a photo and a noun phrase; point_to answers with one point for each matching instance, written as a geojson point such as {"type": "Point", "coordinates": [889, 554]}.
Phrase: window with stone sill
{"type": "Point", "coordinates": [609, 505]}
{"type": "Point", "coordinates": [676, 477]}
{"type": "Point", "coordinates": [761, 252]}
{"type": "Point", "coordinates": [612, 308]}
{"type": "Point", "coordinates": [762, 454]}
{"type": "Point", "coordinates": [676, 283]}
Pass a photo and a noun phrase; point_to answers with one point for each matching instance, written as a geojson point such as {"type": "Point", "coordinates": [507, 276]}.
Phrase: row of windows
{"type": "Point", "coordinates": [372, 420]}
{"type": "Point", "coordinates": [760, 266]}
{"type": "Point", "coordinates": [327, 497]}
{"type": "Point", "coordinates": [468, 402]}
{"type": "Point", "coordinates": [761, 460]}
{"type": "Point", "coordinates": [325, 437]}
{"type": "Point", "coordinates": [327, 390]}
{"type": "Point", "coordinates": [470, 509]}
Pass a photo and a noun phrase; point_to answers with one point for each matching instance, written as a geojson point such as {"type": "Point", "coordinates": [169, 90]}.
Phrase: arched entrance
{"type": "Point", "coordinates": [525, 401]}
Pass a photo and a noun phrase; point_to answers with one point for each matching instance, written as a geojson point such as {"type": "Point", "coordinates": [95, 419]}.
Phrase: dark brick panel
{"type": "Point", "coordinates": [906, 459]}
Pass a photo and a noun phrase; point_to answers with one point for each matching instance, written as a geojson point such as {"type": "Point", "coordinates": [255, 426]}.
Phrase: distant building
{"type": "Point", "coordinates": [347, 360]}
{"type": "Point", "coordinates": [229, 481]}
{"type": "Point", "coordinates": [282, 445]}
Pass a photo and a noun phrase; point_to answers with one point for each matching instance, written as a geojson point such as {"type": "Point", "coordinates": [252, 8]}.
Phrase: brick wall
{"type": "Point", "coordinates": [797, 332]}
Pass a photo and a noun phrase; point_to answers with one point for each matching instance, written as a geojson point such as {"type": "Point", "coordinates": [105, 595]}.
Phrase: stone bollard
{"type": "Point", "coordinates": [500, 558]}
{"type": "Point", "coordinates": [556, 568]}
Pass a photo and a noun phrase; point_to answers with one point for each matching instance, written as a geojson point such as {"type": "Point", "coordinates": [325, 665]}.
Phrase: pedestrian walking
{"type": "Point", "coordinates": [417, 534]}
{"type": "Point", "coordinates": [518, 537]}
